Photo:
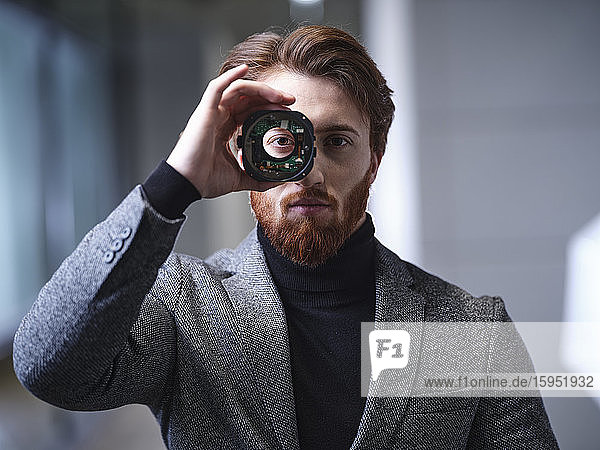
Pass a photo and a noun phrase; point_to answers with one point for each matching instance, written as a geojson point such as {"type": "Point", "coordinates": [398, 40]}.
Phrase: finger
{"type": "Point", "coordinates": [242, 115]}
{"type": "Point", "coordinates": [247, 104]}
{"type": "Point", "coordinates": [246, 88]}
{"type": "Point", "coordinates": [216, 87]}
{"type": "Point", "coordinates": [225, 132]}
{"type": "Point", "coordinates": [247, 183]}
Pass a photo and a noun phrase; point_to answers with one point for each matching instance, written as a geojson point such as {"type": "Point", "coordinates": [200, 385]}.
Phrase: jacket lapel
{"type": "Point", "coordinates": [395, 301]}
{"type": "Point", "coordinates": [261, 320]}
{"type": "Point", "coordinates": [262, 324]}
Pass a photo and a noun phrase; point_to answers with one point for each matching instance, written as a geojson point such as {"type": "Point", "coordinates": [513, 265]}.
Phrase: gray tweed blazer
{"type": "Point", "coordinates": [204, 345]}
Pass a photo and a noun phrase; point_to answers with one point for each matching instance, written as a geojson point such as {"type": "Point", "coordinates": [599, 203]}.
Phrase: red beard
{"type": "Point", "coordinates": [309, 241]}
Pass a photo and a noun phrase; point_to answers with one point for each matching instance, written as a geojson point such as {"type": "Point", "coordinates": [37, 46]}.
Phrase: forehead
{"type": "Point", "coordinates": [320, 99]}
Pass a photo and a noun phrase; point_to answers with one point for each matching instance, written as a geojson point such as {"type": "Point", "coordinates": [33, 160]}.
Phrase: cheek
{"type": "Point", "coordinates": [269, 199]}
{"type": "Point", "coordinates": [344, 176]}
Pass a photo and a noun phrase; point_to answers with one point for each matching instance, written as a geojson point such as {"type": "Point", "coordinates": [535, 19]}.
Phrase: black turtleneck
{"type": "Point", "coordinates": [324, 307]}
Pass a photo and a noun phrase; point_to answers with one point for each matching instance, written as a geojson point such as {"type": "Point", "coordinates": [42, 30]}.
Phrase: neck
{"type": "Point", "coordinates": [360, 222]}
{"type": "Point", "coordinates": [348, 268]}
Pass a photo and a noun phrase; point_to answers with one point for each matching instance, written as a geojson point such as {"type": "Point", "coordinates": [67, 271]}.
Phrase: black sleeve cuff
{"type": "Point", "coordinates": [169, 192]}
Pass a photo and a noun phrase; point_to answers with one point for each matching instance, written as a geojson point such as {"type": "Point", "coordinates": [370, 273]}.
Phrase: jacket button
{"type": "Point", "coordinates": [125, 233]}
{"type": "Point", "coordinates": [108, 257]}
{"type": "Point", "coordinates": [116, 245]}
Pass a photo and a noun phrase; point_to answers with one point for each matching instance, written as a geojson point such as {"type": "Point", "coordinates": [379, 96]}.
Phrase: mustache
{"type": "Point", "coordinates": [308, 194]}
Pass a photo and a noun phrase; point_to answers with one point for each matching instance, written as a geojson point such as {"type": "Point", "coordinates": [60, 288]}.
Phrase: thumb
{"type": "Point", "coordinates": [247, 183]}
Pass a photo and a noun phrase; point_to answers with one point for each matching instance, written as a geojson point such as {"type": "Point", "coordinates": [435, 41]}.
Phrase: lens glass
{"type": "Point", "coordinates": [277, 145]}
{"type": "Point", "coordinates": [279, 142]}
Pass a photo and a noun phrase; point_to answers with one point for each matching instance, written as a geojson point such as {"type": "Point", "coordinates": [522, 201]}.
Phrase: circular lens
{"type": "Point", "coordinates": [277, 145]}
{"type": "Point", "coordinates": [279, 142]}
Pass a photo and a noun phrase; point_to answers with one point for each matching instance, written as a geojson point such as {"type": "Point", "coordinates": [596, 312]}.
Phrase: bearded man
{"type": "Point", "coordinates": [259, 347]}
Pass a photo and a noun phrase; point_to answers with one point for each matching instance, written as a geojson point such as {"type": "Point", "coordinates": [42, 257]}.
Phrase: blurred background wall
{"type": "Point", "coordinates": [497, 131]}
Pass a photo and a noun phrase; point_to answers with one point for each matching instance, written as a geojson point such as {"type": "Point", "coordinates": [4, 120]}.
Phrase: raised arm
{"type": "Point", "coordinates": [96, 337]}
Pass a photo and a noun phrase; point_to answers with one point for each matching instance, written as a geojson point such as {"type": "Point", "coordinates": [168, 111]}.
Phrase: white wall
{"type": "Point", "coordinates": [508, 96]}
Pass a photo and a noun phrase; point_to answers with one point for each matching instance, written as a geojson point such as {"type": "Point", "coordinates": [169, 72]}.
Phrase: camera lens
{"type": "Point", "coordinates": [277, 145]}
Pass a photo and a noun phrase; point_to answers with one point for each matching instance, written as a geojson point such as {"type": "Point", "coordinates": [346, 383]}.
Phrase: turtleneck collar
{"type": "Point", "coordinates": [352, 266]}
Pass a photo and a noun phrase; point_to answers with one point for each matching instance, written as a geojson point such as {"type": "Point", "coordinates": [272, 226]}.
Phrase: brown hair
{"type": "Point", "coordinates": [328, 52]}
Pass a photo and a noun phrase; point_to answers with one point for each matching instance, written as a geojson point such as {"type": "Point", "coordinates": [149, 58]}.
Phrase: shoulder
{"type": "Point", "coordinates": [443, 300]}
{"type": "Point", "coordinates": [231, 260]}
{"type": "Point", "coordinates": [181, 269]}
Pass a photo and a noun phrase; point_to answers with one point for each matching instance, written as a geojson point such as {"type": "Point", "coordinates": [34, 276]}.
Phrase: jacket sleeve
{"type": "Point", "coordinates": [511, 422]}
{"type": "Point", "coordinates": [95, 339]}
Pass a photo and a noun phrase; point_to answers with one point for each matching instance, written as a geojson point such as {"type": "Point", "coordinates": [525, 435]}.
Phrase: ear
{"type": "Point", "coordinates": [239, 158]}
{"type": "Point", "coordinates": [232, 144]}
{"type": "Point", "coordinates": [375, 162]}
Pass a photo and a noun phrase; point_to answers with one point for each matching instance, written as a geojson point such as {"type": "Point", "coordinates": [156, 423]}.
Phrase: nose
{"type": "Point", "coordinates": [315, 176]}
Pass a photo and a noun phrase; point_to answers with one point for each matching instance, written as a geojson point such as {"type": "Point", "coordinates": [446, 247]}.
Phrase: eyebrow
{"type": "Point", "coordinates": [327, 128]}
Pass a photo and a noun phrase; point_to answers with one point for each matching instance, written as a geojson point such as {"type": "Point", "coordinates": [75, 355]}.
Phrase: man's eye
{"type": "Point", "coordinates": [337, 141]}
{"type": "Point", "coordinates": [283, 141]}
{"type": "Point", "coordinates": [278, 142]}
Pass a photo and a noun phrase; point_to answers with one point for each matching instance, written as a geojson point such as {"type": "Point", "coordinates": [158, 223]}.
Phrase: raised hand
{"type": "Point", "coordinates": [202, 154]}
